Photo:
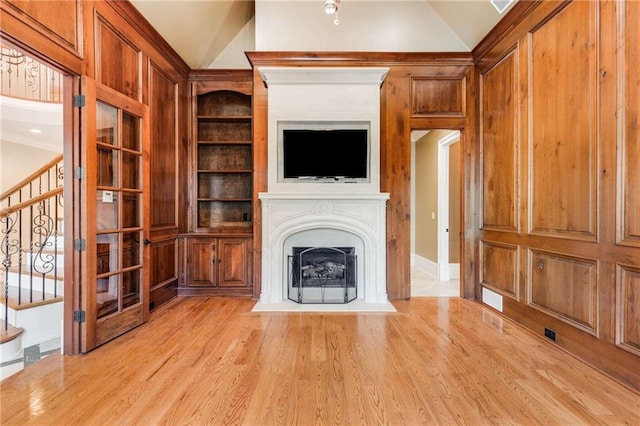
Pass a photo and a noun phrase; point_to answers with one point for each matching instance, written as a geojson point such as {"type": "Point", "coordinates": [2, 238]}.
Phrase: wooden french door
{"type": "Point", "coordinates": [115, 291]}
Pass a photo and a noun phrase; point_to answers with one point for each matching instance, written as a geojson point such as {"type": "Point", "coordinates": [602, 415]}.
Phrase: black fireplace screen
{"type": "Point", "coordinates": [322, 275]}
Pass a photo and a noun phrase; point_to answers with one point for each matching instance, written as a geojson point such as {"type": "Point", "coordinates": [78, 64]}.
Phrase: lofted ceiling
{"type": "Point", "coordinates": [201, 30]}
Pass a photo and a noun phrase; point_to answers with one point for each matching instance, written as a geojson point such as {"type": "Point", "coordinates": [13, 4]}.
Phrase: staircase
{"type": "Point", "coordinates": [31, 268]}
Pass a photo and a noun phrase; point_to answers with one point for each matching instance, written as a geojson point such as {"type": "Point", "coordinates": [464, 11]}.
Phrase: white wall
{"type": "Point", "coordinates": [397, 26]}
{"type": "Point", "coordinates": [233, 57]}
{"type": "Point", "coordinates": [19, 161]}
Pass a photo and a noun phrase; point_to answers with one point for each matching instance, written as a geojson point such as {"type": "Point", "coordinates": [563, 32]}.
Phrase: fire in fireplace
{"type": "Point", "coordinates": [322, 275]}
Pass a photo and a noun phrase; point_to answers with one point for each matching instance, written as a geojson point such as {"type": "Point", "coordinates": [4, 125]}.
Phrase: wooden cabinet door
{"type": "Point", "coordinates": [233, 262]}
{"type": "Point", "coordinates": [201, 262]}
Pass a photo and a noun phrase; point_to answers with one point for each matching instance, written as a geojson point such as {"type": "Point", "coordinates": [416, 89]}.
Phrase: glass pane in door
{"type": "Point", "coordinates": [119, 210]}
{"type": "Point", "coordinates": [131, 249]}
{"type": "Point", "coordinates": [131, 288]}
{"type": "Point", "coordinates": [130, 132]}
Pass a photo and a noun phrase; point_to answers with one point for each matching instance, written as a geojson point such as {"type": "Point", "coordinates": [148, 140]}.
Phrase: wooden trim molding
{"type": "Point", "coordinates": [514, 16]}
{"type": "Point", "coordinates": [369, 59]}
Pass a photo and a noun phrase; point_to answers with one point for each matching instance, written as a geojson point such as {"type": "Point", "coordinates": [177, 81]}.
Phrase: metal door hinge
{"type": "Point", "coordinates": [79, 101]}
{"type": "Point", "coordinates": [80, 172]}
{"type": "Point", "coordinates": [80, 244]}
{"type": "Point", "coordinates": [79, 316]}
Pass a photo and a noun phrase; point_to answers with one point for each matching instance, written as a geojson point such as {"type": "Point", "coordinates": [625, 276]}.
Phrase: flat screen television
{"type": "Point", "coordinates": [325, 152]}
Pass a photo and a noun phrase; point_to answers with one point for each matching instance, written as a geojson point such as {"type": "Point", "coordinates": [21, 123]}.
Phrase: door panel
{"type": "Point", "coordinates": [116, 289]}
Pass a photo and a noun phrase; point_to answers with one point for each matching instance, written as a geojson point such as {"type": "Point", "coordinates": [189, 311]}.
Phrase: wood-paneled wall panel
{"type": "Point", "coordinates": [628, 314]}
{"type": "Point", "coordinates": [438, 97]}
{"type": "Point", "coordinates": [577, 86]}
{"type": "Point", "coordinates": [164, 267]}
{"type": "Point", "coordinates": [630, 190]}
{"type": "Point", "coordinates": [565, 287]}
{"type": "Point", "coordinates": [58, 19]}
{"type": "Point", "coordinates": [563, 69]}
{"type": "Point", "coordinates": [499, 102]}
{"type": "Point", "coordinates": [163, 98]}
{"type": "Point", "coordinates": [499, 268]}
{"type": "Point", "coordinates": [395, 178]}
{"type": "Point", "coordinates": [118, 61]}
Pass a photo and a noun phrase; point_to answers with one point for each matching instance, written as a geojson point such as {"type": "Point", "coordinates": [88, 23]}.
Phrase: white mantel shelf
{"type": "Point", "coordinates": [325, 76]}
{"type": "Point", "coordinates": [332, 196]}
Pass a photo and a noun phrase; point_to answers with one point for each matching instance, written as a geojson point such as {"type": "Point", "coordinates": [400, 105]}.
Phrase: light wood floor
{"type": "Point", "coordinates": [212, 361]}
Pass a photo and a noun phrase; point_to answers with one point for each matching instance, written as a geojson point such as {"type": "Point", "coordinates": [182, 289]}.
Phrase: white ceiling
{"type": "Point", "coordinates": [215, 33]}
{"type": "Point", "coordinates": [35, 124]}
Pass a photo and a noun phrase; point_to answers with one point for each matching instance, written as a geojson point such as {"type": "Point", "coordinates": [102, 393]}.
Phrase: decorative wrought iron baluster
{"type": "Point", "coordinates": [8, 247]}
{"type": "Point", "coordinates": [43, 225]}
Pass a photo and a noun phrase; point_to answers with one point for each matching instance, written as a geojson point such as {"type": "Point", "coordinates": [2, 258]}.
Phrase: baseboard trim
{"type": "Point", "coordinates": [428, 266]}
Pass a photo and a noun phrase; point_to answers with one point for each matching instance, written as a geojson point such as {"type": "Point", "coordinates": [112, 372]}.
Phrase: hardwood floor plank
{"type": "Point", "coordinates": [213, 361]}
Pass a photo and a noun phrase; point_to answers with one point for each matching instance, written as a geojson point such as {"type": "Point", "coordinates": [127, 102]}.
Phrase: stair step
{"type": "Point", "coordinates": [10, 333]}
{"type": "Point", "coordinates": [59, 276]}
{"type": "Point", "coordinates": [29, 299]}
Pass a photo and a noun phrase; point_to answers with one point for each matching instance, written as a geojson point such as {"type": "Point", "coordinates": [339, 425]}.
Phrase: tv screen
{"type": "Point", "coordinates": [331, 153]}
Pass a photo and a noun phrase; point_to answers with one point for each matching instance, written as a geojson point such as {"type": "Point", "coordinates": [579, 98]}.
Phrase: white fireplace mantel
{"type": "Point", "coordinates": [324, 213]}
{"type": "Point", "coordinates": [362, 216]}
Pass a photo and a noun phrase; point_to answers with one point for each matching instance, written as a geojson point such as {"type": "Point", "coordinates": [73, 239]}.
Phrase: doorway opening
{"type": "Point", "coordinates": [435, 213]}
{"type": "Point", "coordinates": [32, 211]}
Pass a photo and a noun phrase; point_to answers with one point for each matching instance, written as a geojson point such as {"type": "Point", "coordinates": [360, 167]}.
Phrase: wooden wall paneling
{"type": "Point", "coordinates": [438, 97]}
{"type": "Point", "coordinates": [163, 101]}
{"type": "Point", "coordinates": [184, 135]}
{"type": "Point", "coordinates": [500, 145]}
{"type": "Point", "coordinates": [563, 91]}
{"type": "Point", "coordinates": [148, 37]}
{"type": "Point", "coordinates": [608, 125]}
{"type": "Point", "coordinates": [34, 36]}
{"type": "Point", "coordinates": [628, 317]}
{"type": "Point", "coordinates": [163, 270]}
{"type": "Point", "coordinates": [163, 95]}
{"type": "Point", "coordinates": [471, 190]}
{"type": "Point", "coordinates": [59, 20]}
{"type": "Point", "coordinates": [595, 258]}
{"type": "Point", "coordinates": [260, 177]}
{"type": "Point", "coordinates": [396, 179]}
{"type": "Point", "coordinates": [619, 364]}
{"type": "Point", "coordinates": [499, 268]}
{"type": "Point", "coordinates": [630, 137]}
{"type": "Point", "coordinates": [118, 60]}
{"type": "Point", "coordinates": [565, 287]}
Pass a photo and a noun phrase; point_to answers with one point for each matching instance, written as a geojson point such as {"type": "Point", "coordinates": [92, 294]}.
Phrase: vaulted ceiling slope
{"type": "Point", "coordinates": [216, 33]}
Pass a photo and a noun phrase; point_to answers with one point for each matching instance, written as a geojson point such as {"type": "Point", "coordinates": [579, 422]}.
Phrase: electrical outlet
{"type": "Point", "coordinates": [550, 334]}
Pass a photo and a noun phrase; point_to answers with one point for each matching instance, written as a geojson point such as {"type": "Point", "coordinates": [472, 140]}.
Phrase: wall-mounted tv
{"type": "Point", "coordinates": [324, 152]}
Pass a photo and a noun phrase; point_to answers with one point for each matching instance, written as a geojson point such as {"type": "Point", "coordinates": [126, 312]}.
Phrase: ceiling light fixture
{"type": "Point", "coordinates": [331, 8]}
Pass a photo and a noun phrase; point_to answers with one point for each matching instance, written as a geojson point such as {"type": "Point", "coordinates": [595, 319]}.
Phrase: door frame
{"type": "Point", "coordinates": [444, 270]}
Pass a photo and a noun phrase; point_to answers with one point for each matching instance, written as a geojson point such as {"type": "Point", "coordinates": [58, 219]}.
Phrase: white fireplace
{"type": "Point", "coordinates": [328, 210]}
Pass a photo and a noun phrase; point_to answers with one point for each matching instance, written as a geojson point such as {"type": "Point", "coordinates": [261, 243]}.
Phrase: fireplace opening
{"type": "Point", "coordinates": [322, 275]}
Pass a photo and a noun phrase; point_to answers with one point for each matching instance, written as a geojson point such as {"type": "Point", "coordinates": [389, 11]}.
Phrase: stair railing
{"type": "Point", "coordinates": [30, 230]}
{"type": "Point", "coordinates": [46, 178]}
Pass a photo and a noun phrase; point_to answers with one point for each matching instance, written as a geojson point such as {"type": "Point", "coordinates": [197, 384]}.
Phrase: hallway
{"type": "Point", "coordinates": [210, 360]}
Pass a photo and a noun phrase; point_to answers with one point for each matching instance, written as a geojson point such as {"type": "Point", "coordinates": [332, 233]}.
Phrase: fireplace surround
{"type": "Point", "coordinates": [325, 212]}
